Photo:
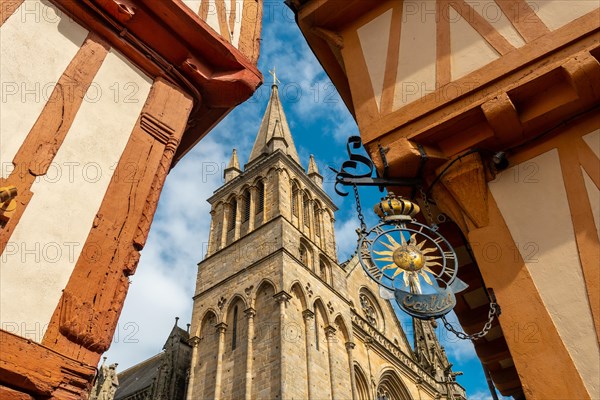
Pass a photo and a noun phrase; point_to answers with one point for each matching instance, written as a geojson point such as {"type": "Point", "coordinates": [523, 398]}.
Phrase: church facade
{"type": "Point", "coordinates": [493, 106]}
{"type": "Point", "coordinates": [276, 316]}
{"type": "Point", "coordinates": [100, 99]}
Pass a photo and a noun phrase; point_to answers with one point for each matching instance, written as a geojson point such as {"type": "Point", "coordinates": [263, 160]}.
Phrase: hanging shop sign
{"type": "Point", "coordinates": [411, 260]}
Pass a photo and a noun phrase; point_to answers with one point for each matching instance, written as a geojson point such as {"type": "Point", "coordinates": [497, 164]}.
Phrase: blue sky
{"type": "Point", "coordinates": [320, 123]}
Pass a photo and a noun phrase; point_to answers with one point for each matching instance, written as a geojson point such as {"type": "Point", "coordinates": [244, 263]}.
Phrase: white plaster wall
{"type": "Point", "coordinates": [469, 49]}
{"type": "Point", "coordinates": [490, 10]}
{"type": "Point", "coordinates": [556, 13]}
{"type": "Point", "coordinates": [374, 40]}
{"type": "Point", "coordinates": [594, 198]}
{"type": "Point", "coordinates": [416, 66]}
{"type": "Point", "coordinates": [537, 213]}
{"type": "Point", "coordinates": [47, 242]}
{"type": "Point", "coordinates": [193, 5]}
{"type": "Point", "coordinates": [37, 43]}
{"type": "Point", "coordinates": [236, 28]}
{"type": "Point", "coordinates": [592, 139]}
{"type": "Point", "coordinates": [212, 18]}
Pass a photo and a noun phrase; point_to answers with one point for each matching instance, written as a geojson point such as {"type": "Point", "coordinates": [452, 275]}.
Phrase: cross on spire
{"type": "Point", "coordinates": [274, 131]}
{"type": "Point", "coordinates": [275, 80]}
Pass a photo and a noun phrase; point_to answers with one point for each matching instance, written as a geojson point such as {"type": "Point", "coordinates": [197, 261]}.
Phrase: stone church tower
{"type": "Point", "coordinates": [275, 315]}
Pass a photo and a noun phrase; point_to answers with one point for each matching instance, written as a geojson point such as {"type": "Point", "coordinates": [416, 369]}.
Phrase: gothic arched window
{"type": "Point", "coordinates": [317, 222]}
{"type": "Point", "coordinates": [369, 310]}
{"type": "Point", "coordinates": [382, 394]}
{"type": "Point", "coordinates": [232, 214]}
{"type": "Point", "coordinates": [316, 332]}
{"type": "Point", "coordinates": [234, 330]}
{"type": "Point", "coordinates": [261, 197]}
{"type": "Point", "coordinates": [391, 388]}
{"type": "Point", "coordinates": [306, 203]}
{"type": "Point", "coordinates": [324, 270]}
{"type": "Point", "coordinates": [246, 197]}
{"type": "Point", "coordinates": [304, 255]}
{"type": "Point", "coordinates": [295, 199]}
{"type": "Point", "coordinates": [362, 387]}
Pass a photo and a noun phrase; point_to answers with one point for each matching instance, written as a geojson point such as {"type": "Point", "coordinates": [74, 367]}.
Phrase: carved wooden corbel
{"type": "Point", "coordinates": [330, 37]}
{"type": "Point", "coordinates": [503, 118]}
{"type": "Point", "coordinates": [583, 72]}
{"type": "Point", "coordinates": [466, 182]}
{"type": "Point", "coordinates": [446, 203]}
{"type": "Point", "coordinates": [81, 324]}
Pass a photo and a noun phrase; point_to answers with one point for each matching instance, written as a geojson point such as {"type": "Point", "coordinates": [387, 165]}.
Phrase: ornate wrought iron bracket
{"type": "Point", "coordinates": [358, 170]}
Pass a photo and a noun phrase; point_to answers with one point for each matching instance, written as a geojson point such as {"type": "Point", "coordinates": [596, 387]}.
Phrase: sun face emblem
{"type": "Point", "coordinates": [409, 259]}
{"type": "Point", "coordinates": [399, 252]}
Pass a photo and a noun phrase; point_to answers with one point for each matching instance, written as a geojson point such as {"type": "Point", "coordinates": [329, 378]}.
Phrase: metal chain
{"type": "Point", "coordinates": [493, 311]}
{"type": "Point", "coordinates": [361, 217]}
{"type": "Point", "coordinates": [433, 225]}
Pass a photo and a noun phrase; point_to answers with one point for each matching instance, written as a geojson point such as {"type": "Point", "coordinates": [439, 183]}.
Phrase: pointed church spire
{"type": "Point", "coordinates": [313, 172]}
{"type": "Point", "coordinates": [274, 133]}
{"type": "Point", "coordinates": [428, 350]}
{"type": "Point", "coordinates": [233, 168]}
{"type": "Point", "coordinates": [274, 74]}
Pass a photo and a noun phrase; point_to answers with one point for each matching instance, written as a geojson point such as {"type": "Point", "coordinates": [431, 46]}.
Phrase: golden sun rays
{"type": "Point", "coordinates": [408, 258]}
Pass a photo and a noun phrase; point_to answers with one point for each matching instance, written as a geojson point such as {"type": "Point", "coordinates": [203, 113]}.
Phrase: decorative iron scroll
{"type": "Point", "coordinates": [350, 175]}
{"type": "Point", "coordinates": [400, 253]}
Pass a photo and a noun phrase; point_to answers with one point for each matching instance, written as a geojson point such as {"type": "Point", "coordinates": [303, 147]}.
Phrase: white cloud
{"type": "Point", "coordinates": [164, 283]}
{"type": "Point", "coordinates": [480, 396]}
{"type": "Point", "coordinates": [345, 238]}
{"type": "Point", "coordinates": [304, 85]}
{"type": "Point", "coordinates": [485, 395]}
{"type": "Point", "coordinates": [458, 350]}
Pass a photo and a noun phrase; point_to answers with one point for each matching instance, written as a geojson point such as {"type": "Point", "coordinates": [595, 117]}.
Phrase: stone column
{"type": "Point", "coordinates": [274, 202]}
{"type": "Point", "coordinates": [324, 215]}
{"type": "Point", "coordinates": [211, 234]}
{"type": "Point", "coordinates": [250, 314]}
{"type": "Point", "coordinates": [281, 204]}
{"type": "Point", "coordinates": [349, 347]}
{"type": "Point", "coordinates": [331, 238]}
{"type": "Point", "coordinates": [282, 298]}
{"type": "Point", "coordinates": [225, 224]}
{"type": "Point", "coordinates": [368, 343]}
{"type": "Point", "coordinates": [300, 210]}
{"type": "Point", "coordinates": [330, 335]}
{"type": "Point", "coordinates": [319, 227]}
{"type": "Point", "coordinates": [238, 217]}
{"type": "Point", "coordinates": [311, 222]}
{"type": "Point", "coordinates": [308, 327]}
{"type": "Point", "coordinates": [419, 386]}
{"type": "Point", "coordinates": [221, 328]}
{"type": "Point", "coordinates": [253, 200]}
{"type": "Point", "coordinates": [194, 342]}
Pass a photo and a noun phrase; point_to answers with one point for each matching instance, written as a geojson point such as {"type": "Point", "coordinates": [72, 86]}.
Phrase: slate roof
{"type": "Point", "coordinates": [138, 377]}
{"type": "Point", "coordinates": [274, 124]}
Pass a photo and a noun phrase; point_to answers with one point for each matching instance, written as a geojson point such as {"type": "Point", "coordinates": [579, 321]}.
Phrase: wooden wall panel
{"type": "Point", "coordinates": [48, 133]}
{"type": "Point", "coordinates": [8, 8]}
{"type": "Point", "coordinates": [85, 319]}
